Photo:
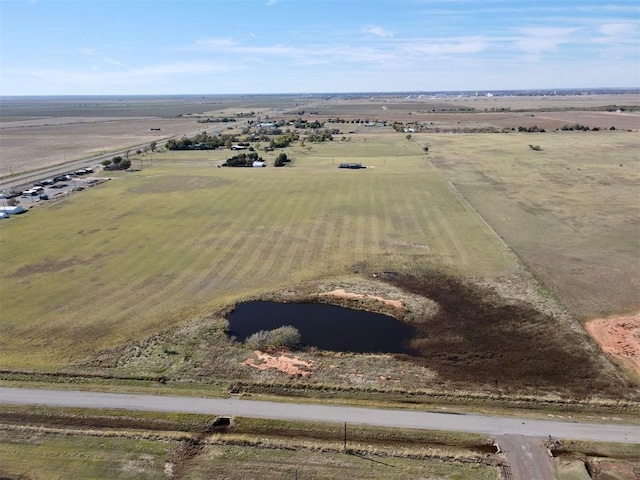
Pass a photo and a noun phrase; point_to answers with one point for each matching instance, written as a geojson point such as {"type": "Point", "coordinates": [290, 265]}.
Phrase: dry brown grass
{"type": "Point", "coordinates": [570, 211]}
{"type": "Point", "coordinates": [35, 144]}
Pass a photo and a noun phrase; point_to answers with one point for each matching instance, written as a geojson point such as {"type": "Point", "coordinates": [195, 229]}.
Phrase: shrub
{"type": "Point", "coordinates": [287, 336]}
{"type": "Point", "coordinates": [259, 340]}
{"type": "Point", "coordinates": [535, 147]}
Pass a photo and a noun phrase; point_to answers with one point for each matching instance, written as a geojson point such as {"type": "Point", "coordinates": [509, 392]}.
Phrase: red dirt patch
{"type": "Point", "coordinates": [292, 366]}
{"type": "Point", "coordinates": [341, 293]}
{"type": "Point", "coordinates": [619, 337]}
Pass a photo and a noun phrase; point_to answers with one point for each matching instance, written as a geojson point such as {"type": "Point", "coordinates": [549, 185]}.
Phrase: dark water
{"type": "Point", "coordinates": [327, 327]}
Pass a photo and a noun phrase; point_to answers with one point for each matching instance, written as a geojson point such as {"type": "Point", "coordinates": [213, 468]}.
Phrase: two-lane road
{"type": "Point", "coordinates": [488, 425]}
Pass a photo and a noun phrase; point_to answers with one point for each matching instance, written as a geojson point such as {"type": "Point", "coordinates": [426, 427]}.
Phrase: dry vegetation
{"type": "Point", "coordinates": [143, 445]}
{"type": "Point", "coordinates": [27, 146]}
{"type": "Point", "coordinates": [569, 212]}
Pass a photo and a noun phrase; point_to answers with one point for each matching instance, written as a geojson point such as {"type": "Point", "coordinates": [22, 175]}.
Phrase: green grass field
{"type": "Point", "coordinates": [156, 248]}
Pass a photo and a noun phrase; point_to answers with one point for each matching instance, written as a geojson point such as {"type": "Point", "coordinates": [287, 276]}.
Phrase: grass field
{"type": "Point", "coordinates": [156, 248]}
{"type": "Point", "coordinates": [150, 445]}
{"type": "Point", "coordinates": [63, 455]}
{"type": "Point", "coordinates": [569, 211]}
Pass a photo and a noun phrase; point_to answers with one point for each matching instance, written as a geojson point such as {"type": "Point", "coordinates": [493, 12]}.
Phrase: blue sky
{"type": "Point", "coordinates": [117, 47]}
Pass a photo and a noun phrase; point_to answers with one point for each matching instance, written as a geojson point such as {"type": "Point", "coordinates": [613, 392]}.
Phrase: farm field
{"type": "Point", "coordinates": [176, 243]}
{"type": "Point", "coordinates": [33, 144]}
{"type": "Point", "coordinates": [36, 132]}
{"type": "Point", "coordinates": [569, 211]}
{"type": "Point", "coordinates": [491, 250]}
{"type": "Point", "coordinates": [155, 248]}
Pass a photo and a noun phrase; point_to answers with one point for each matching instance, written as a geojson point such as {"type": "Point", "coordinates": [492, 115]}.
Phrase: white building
{"type": "Point", "coordinates": [14, 210]}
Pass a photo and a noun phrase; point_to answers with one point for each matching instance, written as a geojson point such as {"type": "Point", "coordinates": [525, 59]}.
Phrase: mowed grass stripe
{"type": "Point", "coordinates": [167, 274]}
{"type": "Point", "coordinates": [293, 255]}
{"type": "Point", "coordinates": [361, 215]}
{"type": "Point", "coordinates": [274, 240]}
{"type": "Point", "coordinates": [248, 218]}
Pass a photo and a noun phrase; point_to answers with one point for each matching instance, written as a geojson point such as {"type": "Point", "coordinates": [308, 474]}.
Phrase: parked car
{"type": "Point", "coordinates": [9, 194]}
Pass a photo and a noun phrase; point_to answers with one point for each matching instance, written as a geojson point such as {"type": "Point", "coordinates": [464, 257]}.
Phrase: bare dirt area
{"type": "Point", "coordinates": [291, 365]}
{"type": "Point", "coordinates": [620, 338]}
{"type": "Point", "coordinates": [341, 293]}
{"type": "Point", "coordinates": [31, 144]}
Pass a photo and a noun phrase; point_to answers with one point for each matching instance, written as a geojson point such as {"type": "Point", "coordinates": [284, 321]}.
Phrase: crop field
{"type": "Point", "coordinates": [37, 132]}
{"type": "Point", "coordinates": [28, 145]}
{"type": "Point", "coordinates": [159, 247]}
{"type": "Point", "coordinates": [376, 106]}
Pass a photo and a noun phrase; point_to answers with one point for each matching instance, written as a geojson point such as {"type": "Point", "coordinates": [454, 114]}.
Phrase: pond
{"type": "Point", "coordinates": [327, 327]}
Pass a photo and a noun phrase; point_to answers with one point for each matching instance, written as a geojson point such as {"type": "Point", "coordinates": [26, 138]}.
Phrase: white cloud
{"type": "Point", "coordinates": [378, 31]}
{"type": "Point", "coordinates": [448, 48]}
{"type": "Point", "coordinates": [112, 61]}
{"type": "Point", "coordinates": [537, 40]}
{"type": "Point", "coordinates": [618, 33]}
{"type": "Point", "coordinates": [270, 3]}
{"type": "Point", "coordinates": [211, 44]}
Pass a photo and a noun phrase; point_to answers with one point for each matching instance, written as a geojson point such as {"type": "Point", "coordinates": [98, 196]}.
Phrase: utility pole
{"type": "Point", "coordinates": [345, 436]}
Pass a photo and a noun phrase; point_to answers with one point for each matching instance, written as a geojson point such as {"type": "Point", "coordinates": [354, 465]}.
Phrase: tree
{"type": "Point", "coordinates": [408, 136]}
{"type": "Point", "coordinates": [117, 160]}
{"type": "Point", "coordinates": [228, 143]}
{"type": "Point", "coordinates": [124, 164]}
{"type": "Point", "coordinates": [152, 146]}
{"type": "Point", "coordinates": [281, 160]}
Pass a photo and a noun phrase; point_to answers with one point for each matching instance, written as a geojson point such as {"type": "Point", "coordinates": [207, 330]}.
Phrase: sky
{"type": "Point", "coordinates": [132, 47]}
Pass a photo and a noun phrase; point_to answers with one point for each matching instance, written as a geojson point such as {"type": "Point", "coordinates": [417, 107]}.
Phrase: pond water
{"type": "Point", "coordinates": [327, 327]}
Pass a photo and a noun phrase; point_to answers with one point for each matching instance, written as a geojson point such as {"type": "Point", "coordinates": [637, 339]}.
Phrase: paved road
{"type": "Point", "coordinates": [528, 457]}
{"type": "Point", "coordinates": [492, 426]}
